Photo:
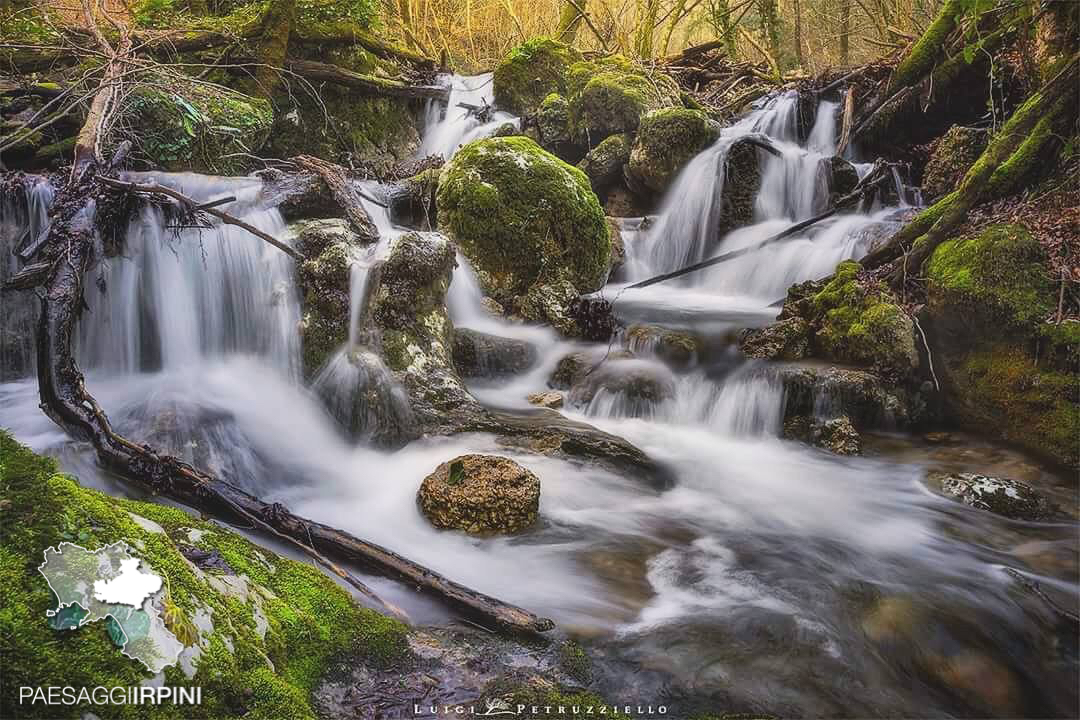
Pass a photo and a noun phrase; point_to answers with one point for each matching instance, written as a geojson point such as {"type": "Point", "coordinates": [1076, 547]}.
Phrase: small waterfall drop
{"type": "Point", "coordinates": [448, 127]}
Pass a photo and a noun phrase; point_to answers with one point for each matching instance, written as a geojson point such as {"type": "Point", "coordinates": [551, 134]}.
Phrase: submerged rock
{"type": "Point", "coordinates": [866, 398]}
{"type": "Point", "coordinates": [322, 277]}
{"type": "Point", "coordinates": [529, 224]}
{"type": "Point", "coordinates": [635, 386]}
{"type": "Point", "coordinates": [1010, 498]}
{"type": "Point", "coordinates": [787, 339]}
{"type": "Point", "coordinates": [480, 494]}
{"type": "Point", "coordinates": [530, 72]}
{"type": "Point", "coordinates": [666, 141]}
{"type": "Point", "coordinates": [363, 396]}
{"type": "Point", "coordinates": [478, 354]}
{"type": "Point", "coordinates": [677, 348]}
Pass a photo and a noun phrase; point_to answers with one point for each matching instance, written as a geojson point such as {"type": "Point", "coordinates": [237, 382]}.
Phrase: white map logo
{"type": "Point", "coordinates": [112, 585]}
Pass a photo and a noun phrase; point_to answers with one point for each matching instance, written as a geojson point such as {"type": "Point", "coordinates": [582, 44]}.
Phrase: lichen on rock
{"type": "Point", "coordinates": [480, 494]}
{"type": "Point", "coordinates": [787, 339]}
{"type": "Point", "coordinates": [1002, 496]}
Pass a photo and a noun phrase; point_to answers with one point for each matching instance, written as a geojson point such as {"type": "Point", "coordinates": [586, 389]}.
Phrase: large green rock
{"type": "Point", "coordinates": [1008, 370]}
{"type": "Point", "coordinates": [529, 224]}
{"type": "Point", "coordinates": [666, 141]}
{"type": "Point", "coordinates": [530, 72]}
{"type": "Point", "coordinates": [611, 95]}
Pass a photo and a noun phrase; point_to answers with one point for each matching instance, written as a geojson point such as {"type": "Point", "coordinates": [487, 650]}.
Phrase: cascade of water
{"type": "Point", "coordinates": [447, 128]}
{"type": "Point", "coordinates": [22, 221]}
{"type": "Point", "coordinates": [177, 295]}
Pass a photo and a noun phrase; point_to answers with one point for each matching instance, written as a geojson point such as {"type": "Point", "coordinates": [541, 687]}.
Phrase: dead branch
{"type": "Point", "coordinates": [345, 194]}
{"type": "Point", "coordinates": [192, 205]}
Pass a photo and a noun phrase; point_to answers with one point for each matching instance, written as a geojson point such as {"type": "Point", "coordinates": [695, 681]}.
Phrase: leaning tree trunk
{"type": "Point", "coordinates": [1011, 158]}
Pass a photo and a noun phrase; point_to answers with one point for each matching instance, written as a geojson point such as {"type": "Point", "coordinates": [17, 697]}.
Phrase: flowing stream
{"type": "Point", "coordinates": [771, 576]}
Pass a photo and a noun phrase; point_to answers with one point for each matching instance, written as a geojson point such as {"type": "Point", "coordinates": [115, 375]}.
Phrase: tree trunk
{"type": "Point", "coordinates": [845, 31]}
{"type": "Point", "coordinates": [273, 46]}
{"type": "Point", "coordinates": [569, 20]}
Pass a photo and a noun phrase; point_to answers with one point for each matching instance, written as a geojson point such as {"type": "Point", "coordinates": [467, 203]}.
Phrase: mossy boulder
{"type": "Point", "coordinates": [952, 155]}
{"type": "Point", "coordinates": [374, 133]}
{"type": "Point", "coordinates": [197, 127]}
{"type": "Point", "coordinates": [612, 94]}
{"type": "Point", "coordinates": [865, 398]}
{"type": "Point", "coordinates": [1008, 370]}
{"type": "Point", "coordinates": [553, 125]}
{"type": "Point", "coordinates": [322, 277]}
{"type": "Point", "coordinates": [666, 141]}
{"type": "Point", "coordinates": [530, 72]}
{"type": "Point", "coordinates": [259, 630]}
{"type": "Point", "coordinates": [603, 164]}
{"type": "Point", "coordinates": [480, 494]}
{"type": "Point", "coordinates": [529, 224]}
{"type": "Point", "coordinates": [837, 435]}
{"type": "Point", "coordinates": [858, 322]}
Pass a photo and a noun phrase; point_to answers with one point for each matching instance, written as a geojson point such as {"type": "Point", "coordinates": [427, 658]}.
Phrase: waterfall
{"type": "Point", "coordinates": [23, 220]}
{"type": "Point", "coordinates": [794, 187]}
{"type": "Point", "coordinates": [176, 295]}
{"type": "Point", "coordinates": [448, 127]}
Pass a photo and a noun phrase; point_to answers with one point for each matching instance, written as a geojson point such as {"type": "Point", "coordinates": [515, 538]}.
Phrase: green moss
{"type": "Point", "coordinates": [603, 165]}
{"type": "Point", "coordinates": [610, 95]}
{"type": "Point", "coordinates": [537, 698]}
{"type": "Point", "coordinates": [310, 620]}
{"type": "Point", "coordinates": [860, 323]}
{"type": "Point", "coordinates": [923, 54]}
{"type": "Point", "coordinates": [371, 131]}
{"type": "Point", "coordinates": [233, 14]}
{"type": "Point", "coordinates": [530, 72]}
{"type": "Point", "coordinates": [666, 140]}
{"type": "Point", "coordinates": [1000, 388]}
{"type": "Point", "coordinates": [197, 127]}
{"type": "Point", "coordinates": [523, 217]}
{"type": "Point", "coordinates": [999, 273]}
{"type": "Point", "coordinates": [575, 661]}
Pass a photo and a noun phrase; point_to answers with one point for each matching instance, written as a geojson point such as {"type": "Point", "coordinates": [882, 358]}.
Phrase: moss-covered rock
{"type": "Point", "coordinates": [197, 127]}
{"type": "Point", "coordinates": [553, 125]}
{"type": "Point", "coordinates": [260, 630]}
{"type": "Point", "coordinates": [1008, 372]}
{"type": "Point", "coordinates": [611, 95]}
{"type": "Point", "coordinates": [375, 133]}
{"type": "Point", "coordinates": [865, 398]}
{"type": "Point", "coordinates": [529, 224]}
{"type": "Point", "coordinates": [530, 72]}
{"type": "Point", "coordinates": [603, 164]}
{"type": "Point", "coordinates": [666, 141]}
{"type": "Point", "coordinates": [480, 494]}
{"type": "Point", "coordinates": [953, 154]}
{"type": "Point", "coordinates": [858, 322]}
{"type": "Point", "coordinates": [322, 277]}
{"type": "Point", "coordinates": [837, 435]}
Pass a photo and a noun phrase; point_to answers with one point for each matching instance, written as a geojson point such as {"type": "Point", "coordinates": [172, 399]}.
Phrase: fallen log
{"type": "Point", "coordinates": [368, 84]}
{"type": "Point", "coordinates": [871, 180]}
{"type": "Point", "coordinates": [345, 194]}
